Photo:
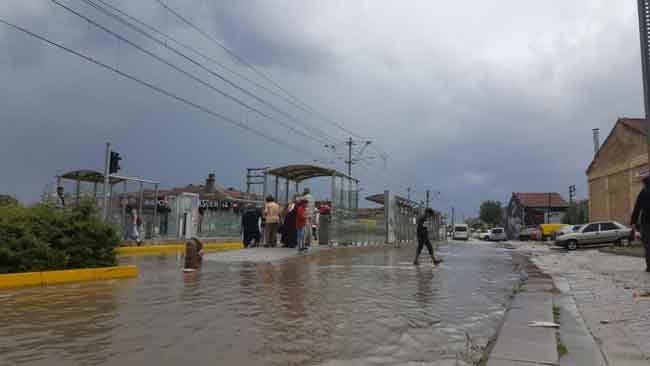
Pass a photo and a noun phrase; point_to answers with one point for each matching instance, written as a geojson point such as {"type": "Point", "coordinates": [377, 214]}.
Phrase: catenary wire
{"type": "Point", "coordinates": [252, 67]}
{"type": "Point", "coordinates": [155, 88]}
{"type": "Point", "coordinates": [112, 12]}
{"type": "Point", "coordinates": [189, 75]}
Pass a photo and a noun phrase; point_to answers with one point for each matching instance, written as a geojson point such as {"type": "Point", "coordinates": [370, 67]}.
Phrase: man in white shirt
{"type": "Point", "coordinates": [306, 195]}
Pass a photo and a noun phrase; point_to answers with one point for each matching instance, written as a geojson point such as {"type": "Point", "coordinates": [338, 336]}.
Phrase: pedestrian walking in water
{"type": "Point", "coordinates": [250, 224]}
{"type": "Point", "coordinates": [641, 219]}
{"type": "Point", "coordinates": [423, 237]}
{"type": "Point", "coordinates": [301, 222]}
{"type": "Point", "coordinates": [271, 221]}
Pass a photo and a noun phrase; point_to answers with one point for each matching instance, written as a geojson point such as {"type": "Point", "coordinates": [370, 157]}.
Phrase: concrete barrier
{"type": "Point", "coordinates": [175, 247]}
{"type": "Point", "coordinates": [66, 276]}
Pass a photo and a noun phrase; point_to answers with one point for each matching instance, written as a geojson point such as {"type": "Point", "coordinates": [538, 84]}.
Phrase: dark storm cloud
{"type": "Point", "coordinates": [476, 112]}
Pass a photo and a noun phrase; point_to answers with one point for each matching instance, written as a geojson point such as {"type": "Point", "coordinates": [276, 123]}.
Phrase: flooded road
{"type": "Point", "coordinates": [335, 307]}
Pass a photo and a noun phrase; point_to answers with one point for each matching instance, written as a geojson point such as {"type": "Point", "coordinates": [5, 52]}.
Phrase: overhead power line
{"type": "Point", "coordinates": [199, 53]}
{"type": "Point", "coordinates": [253, 68]}
{"type": "Point", "coordinates": [157, 89]}
{"type": "Point", "coordinates": [189, 75]}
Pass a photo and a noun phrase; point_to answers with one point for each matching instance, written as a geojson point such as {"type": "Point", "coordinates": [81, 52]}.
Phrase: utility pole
{"type": "Point", "coordinates": [408, 193]}
{"type": "Point", "coordinates": [644, 37]}
{"type": "Point", "coordinates": [105, 190]}
{"type": "Point", "coordinates": [350, 143]}
{"type": "Point", "coordinates": [572, 193]}
{"type": "Point", "coordinates": [548, 209]}
{"type": "Point", "coordinates": [428, 199]}
{"type": "Point", "coordinates": [453, 216]}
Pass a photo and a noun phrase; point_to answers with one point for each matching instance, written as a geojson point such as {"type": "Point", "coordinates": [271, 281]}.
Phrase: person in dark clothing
{"type": "Point", "coordinates": [641, 219]}
{"type": "Point", "coordinates": [423, 237]}
{"type": "Point", "coordinates": [289, 232]}
{"type": "Point", "coordinates": [250, 223]}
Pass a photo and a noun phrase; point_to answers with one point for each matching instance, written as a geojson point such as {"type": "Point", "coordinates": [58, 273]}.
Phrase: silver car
{"type": "Point", "coordinates": [602, 232]}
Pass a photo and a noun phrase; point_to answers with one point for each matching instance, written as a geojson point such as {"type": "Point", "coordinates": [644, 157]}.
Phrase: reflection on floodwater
{"type": "Point", "coordinates": [338, 307]}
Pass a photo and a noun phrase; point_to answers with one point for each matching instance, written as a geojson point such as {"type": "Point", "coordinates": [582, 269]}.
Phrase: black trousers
{"type": "Point", "coordinates": [645, 238]}
{"type": "Point", "coordinates": [423, 241]}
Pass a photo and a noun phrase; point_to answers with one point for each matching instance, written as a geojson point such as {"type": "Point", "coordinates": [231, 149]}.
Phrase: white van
{"type": "Point", "coordinates": [461, 232]}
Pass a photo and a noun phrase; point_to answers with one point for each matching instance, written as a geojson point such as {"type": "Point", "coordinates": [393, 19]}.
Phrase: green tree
{"type": "Point", "coordinates": [491, 212]}
{"type": "Point", "coordinates": [577, 213]}
{"type": "Point", "coordinates": [7, 200]}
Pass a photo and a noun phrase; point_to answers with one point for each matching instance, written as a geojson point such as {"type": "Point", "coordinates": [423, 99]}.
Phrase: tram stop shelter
{"type": "Point", "coordinates": [344, 188]}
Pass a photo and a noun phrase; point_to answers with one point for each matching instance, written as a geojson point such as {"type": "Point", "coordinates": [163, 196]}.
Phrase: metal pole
{"type": "Point", "coordinates": [387, 215]}
{"type": "Point", "coordinates": [248, 181]}
{"type": "Point", "coordinates": [155, 212]}
{"type": "Point", "coordinates": [264, 191]}
{"type": "Point", "coordinates": [548, 209]}
{"type": "Point", "coordinates": [357, 196]}
{"type": "Point", "coordinates": [342, 198]}
{"type": "Point", "coordinates": [141, 199]}
{"type": "Point", "coordinates": [333, 194]}
{"type": "Point", "coordinates": [277, 189]}
{"type": "Point", "coordinates": [428, 199]}
{"type": "Point", "coordinates": [124, 197]}
{"type": "Point", "coordinates": [349, 161]}
{"type": "Point", "coordinates": [644, 32]}
{"type": "Point", "coordinates": [286, 193]}
{"type": "Point", "coordinates": [107, 162]}
{"type": "Point", "coordinates": [78, 190]}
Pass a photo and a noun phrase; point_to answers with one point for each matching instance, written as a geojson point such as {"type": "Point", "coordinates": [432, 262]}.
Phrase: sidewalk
{"type": "Point", "coordinates": [518, 344]}
{"type": "Point", "coordinates": [605, 289]}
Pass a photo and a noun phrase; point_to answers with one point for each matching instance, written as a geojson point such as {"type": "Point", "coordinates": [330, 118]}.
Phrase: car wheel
{"type": "Point", "coordinates": [572, 245]}
{"type": "Point", "coordinates": [624, 242]}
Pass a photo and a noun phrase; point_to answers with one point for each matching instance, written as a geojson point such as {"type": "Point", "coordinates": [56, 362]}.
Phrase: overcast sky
{"type": "Point", "coordinates": [472, 102]}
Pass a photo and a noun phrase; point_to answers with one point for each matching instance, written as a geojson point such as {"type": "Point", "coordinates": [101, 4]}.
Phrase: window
{"type": "Point", "coordinates": [497, 231]}
{"type": "Point", "coordinates": [608, 226]}
{"type": "Point", "coordinates": [577, 227]}
{"type": "Point", "coordinates": [590, 228]}
{"type": "Point", "coordinates": [460, 229]}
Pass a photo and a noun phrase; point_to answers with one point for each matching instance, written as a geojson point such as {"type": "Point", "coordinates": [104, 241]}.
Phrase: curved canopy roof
{"type": "Point", "coordinates": [86, 175]}
{"type": "Point", "coordinates": [298, 173]}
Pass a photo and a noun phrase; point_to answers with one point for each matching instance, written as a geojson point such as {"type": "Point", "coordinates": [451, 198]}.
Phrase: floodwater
{"type": "Point", "coordinates": [335, 307]}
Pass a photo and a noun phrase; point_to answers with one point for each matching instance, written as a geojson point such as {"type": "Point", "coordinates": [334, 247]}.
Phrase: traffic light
{"type": "Point", "coordinates": [572, 193]}
{"type": "Point", "coordinates": [114, 166]}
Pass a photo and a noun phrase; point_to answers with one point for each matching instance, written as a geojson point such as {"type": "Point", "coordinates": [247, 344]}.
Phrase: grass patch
{"type": "Point", "coordinates": [561, 347]}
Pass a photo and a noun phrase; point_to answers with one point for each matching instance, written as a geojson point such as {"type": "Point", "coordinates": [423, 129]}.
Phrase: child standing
{"type": "Point", "coordinates": [301, 222]}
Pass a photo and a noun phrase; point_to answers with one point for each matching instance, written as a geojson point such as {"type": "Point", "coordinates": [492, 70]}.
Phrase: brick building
{"type": "Point", "coordinates": [527, 209]}
{"type": "Point", "coordinates": [615, 173]}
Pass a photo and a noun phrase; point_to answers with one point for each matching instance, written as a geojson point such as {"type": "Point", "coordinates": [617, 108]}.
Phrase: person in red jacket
{"type": "Point", "coordinates": [301, 222]}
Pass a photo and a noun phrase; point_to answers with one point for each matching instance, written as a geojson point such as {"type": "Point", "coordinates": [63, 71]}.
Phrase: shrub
{"type": "Point", "coordinates": [43, 238]}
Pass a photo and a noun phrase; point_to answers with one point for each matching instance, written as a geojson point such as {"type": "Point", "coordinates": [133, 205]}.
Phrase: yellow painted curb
{"type": "Point", "coordinates": [174, 248]}
{"type": "Point", "coordinates": [66, 276]}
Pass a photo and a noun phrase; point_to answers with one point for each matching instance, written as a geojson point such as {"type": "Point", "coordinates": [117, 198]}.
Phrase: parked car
{"type": "Point", "coordinates": [484, 235]}
{"type": "Point", "coordinates": [461, 232]}
{"type": "Point", "coordinates": [529, 233]}
{"type": "Point", "coordinates": [547, 231]}
{"type": "Point", "coordinates": [497, 234]}
{"type": "Point", "coordinates": [597, 233]}
{"type": "Point", "coordinates": [566, 230]}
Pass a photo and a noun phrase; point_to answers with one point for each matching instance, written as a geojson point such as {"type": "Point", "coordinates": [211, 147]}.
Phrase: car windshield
{"type": "Point", "coordinates": [497, 231]}
{"type": "Point", "coordinates": [577, 227]}
{"type": "Point", "coordinates": [461, 228]}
